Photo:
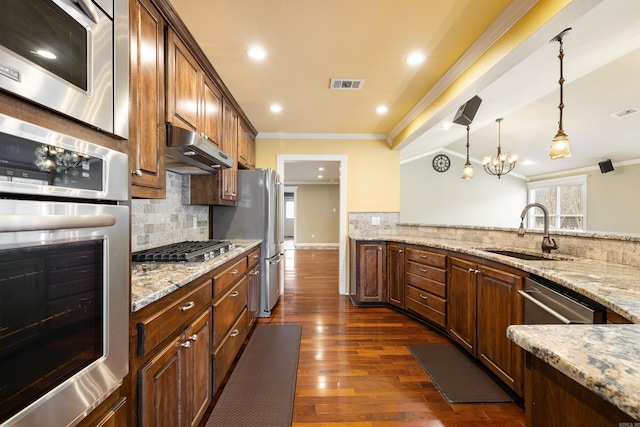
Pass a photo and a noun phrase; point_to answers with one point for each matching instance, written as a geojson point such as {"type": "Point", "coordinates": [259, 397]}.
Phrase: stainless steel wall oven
{"type": "Point", "coordinates": [64, 282]}
{"type": "Point", "coordinates": [70, 56]}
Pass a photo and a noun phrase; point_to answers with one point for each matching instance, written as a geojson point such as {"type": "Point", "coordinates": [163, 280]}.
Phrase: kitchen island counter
{"type": "Point", "coordinates": [602, 358]}
{"type": "Point", "coordinates": [150, 281]}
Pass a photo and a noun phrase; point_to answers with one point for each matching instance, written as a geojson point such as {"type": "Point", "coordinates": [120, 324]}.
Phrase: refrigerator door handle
{"type": "Point", "coordinates": [276, 259]}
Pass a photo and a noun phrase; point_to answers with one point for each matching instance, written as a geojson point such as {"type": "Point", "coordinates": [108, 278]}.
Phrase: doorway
{"type": "Point", "coordinates": [290, 160]}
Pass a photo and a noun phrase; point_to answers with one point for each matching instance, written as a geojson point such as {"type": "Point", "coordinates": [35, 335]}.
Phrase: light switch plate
{"type": "Point", "coordinates": [375, 220]}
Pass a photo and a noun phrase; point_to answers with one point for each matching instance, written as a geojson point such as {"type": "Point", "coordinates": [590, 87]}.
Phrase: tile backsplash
{"type": "Point", "coordinates": [157, 222]}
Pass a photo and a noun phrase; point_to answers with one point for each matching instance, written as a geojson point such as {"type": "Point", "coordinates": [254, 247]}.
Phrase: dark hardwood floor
{"type": "Point", "coordinates": [355, 369]}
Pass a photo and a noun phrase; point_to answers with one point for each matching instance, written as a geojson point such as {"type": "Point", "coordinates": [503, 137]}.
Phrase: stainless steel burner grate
{"type": "Point", "coordinates": [190, 251]}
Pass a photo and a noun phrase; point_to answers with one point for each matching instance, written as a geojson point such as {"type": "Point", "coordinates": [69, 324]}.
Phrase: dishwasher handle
{"type": "Point", "coordinates": [548, 309]}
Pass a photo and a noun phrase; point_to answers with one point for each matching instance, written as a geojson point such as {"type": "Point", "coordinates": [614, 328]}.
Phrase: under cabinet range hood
{"type": "Point", "coordinates": [189, 153]}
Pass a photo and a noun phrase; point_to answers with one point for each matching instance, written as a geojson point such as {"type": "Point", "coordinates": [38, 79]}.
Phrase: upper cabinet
{"type": "Point", "coordinates": [246, 147]}
{"type": "Point", "coordinates": [193, 100]}
{"type": "Point", "coordinates": [147, 133]}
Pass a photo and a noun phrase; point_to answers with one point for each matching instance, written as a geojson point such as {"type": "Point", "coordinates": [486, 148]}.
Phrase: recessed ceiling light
{"type": "Point", "coordinates": [275, 108]}
{"type": "Point", "coordinates": [415, 58]}
{"type": "Point", "coordinates": [257, 53]}
{"type": "Point", "coordinates": [320, 168]}
{"type": "Point", "coordinates": [381, 109]}
{"type": "Point", "coordinates": [319, 176]}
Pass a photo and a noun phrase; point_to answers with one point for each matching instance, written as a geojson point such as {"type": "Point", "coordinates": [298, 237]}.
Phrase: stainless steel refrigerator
{"type": "Point", "coordinates": [258, 215]}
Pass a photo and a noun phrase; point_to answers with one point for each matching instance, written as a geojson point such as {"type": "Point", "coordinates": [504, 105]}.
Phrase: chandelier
{"type": "Point", "coordinates": [501, 164]}
{"type": "Point", "coordinates": [560, 143]}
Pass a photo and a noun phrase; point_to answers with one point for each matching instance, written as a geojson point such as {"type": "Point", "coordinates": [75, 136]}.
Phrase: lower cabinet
{"type": "Point", "coordinates": [395, 274]}
{"type": "Point", "coordinates": [174, 386]}
{"type": "Point", "coordinates": [368, 276]}
{"type": "Point", "coordinates": [426, 285]}
{"type": "Point", "coordinates": [483, 302]}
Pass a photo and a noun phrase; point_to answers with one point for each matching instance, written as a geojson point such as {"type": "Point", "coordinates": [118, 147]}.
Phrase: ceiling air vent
{"type": "Point", "coordinates": [346, 84]}
{"type": "Point", "coordinates": [622, 113]}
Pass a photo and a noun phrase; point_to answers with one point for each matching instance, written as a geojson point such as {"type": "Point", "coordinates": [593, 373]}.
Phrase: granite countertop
{"type": "Point", "coordinates": [602, 358]}
{"type": "Point", "coordinates": [152, 281]}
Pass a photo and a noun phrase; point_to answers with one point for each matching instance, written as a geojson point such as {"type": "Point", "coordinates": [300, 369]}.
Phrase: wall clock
{"type": "Point", "coordinates": [441, 163]}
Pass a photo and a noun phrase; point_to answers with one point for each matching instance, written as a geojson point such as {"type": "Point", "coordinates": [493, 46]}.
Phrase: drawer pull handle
{"type": "Point", "coordinates": [186, 344]}
{"type": "Point", "coordinates": [194, 337]}
{"type": "Point", "coordinates": [255, 256]}
{"type": "Point", "coordinates": [423, 256]}
{"type": "Point", "coordinates": [235, 294]}
{"type": "Point", "coordinates": [424, 270]}
{"type": "Point", "coordinates": [255, 273]}
{"type": "Point", "coordinates": [234, 333]}
{"type": "Point", "coordinates": [474, 270]}
{"type": "Point", "coordinates": [189, 306]}
{"type": "Point", "coordinates": [424, 297]}
{"type": "Point", "coordinates": [234, 272]}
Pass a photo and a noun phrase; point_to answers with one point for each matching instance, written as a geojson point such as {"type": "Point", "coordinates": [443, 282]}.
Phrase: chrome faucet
{"type": "Point", "coordinates": [547, 243]}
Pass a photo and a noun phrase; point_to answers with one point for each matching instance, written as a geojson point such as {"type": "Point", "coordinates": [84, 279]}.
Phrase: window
{"type": "Point", "coordinates": [566, 200]}
{"type": "Point", "coordinates": [289, 209]}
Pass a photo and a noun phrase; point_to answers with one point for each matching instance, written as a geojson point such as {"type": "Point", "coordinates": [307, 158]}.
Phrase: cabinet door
{"type": "Point", "coordinates": [211, 112]}
{"type": "Point", "coordinates": [461, 296]}
{"type": "Point", "coordinates": [183, 84]}
{"type": "Point", "coordinates": [229, 177]}
{"type": "Point", "coordinates": [161, 389]}
{"type": "Point", "coordinates": [371, 272]}
{"type": "Point", "coordinates": [498, 307]}
{"type": "Point", "coordinates": [198, 372]}
{"type": "Point", "coordinates": [395, 274]}
{"type": "Point", "coordinates": [147, 101]}
{"type": "Point", "coordinates": [253, 299]}
{"type": "Point", "coordinates": [243, 144]}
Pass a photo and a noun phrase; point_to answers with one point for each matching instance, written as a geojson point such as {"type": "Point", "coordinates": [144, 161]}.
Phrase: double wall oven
{"type": "Point", "coordinates": [64, 281]}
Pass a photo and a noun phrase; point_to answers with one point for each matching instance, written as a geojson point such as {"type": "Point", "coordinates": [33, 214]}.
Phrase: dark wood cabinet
{"type": "Point", "coordinates": [174, 386]}
{"type": "Point", "coordinates": [147, 134]}
{"type": "Point", "coordinates": [483, 302]}
{"type": "Point", "coordinates": [426, 285]}
{"type": "Point", "coordinates": [498, 306]}
{"type": "Point", "coordinates": [368, 281]}
{"type": "Point", "coordinates": [253, 286]}
{"type": "Point", "coordinates": [461, 290]}
{"type": "Point", "coordinates": [395, 274]}
{"type": "Point", "coordinates": [229, 177]}
{"type": "Point", "coordinates": [554, 400]}
{"type": "Point", "coordinates": [246, 147]}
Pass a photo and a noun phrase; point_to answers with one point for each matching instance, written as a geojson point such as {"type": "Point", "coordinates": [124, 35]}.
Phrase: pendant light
{"type": "Point", "coordinates": [502, 164]}
{"type": "Point", "coordinates": [560, 143]}
{"type": "Point", "coordinates": [467, 170]}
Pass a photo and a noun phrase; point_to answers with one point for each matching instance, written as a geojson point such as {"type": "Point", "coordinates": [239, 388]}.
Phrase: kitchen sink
{"type": "Point", "coordinates": [528, 256]}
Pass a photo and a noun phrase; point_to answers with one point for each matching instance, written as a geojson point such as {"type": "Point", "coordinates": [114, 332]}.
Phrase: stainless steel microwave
{"type": "Point", "coordinates": [70, 56]}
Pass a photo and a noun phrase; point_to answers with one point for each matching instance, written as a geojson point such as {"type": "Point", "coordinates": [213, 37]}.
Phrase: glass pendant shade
{"type": "Point", "coordinates": [467, 171]}
{"type": "Point", "coordinates": [560, 146]}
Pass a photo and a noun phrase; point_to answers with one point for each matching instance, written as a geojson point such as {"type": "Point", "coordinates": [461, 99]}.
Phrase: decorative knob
{"type": "Point", "coordinates": [136, 172]}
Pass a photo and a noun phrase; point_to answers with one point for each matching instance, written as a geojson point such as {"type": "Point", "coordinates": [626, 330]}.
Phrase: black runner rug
{"type": "Point", "coordinates": [458, 378]}
{"type": "Point", "coordinates": [261, 388]}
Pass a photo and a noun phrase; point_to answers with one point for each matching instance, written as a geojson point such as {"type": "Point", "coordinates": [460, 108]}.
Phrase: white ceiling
{"type": "Point", "coordinates": [309, 41]}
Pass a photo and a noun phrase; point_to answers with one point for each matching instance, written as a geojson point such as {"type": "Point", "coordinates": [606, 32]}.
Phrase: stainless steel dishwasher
{"type": "Point", "coordinates": [546, 303]}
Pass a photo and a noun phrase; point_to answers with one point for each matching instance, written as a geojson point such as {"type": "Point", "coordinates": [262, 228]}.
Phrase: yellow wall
{"type": "Point", "coordinates": [373, 169]}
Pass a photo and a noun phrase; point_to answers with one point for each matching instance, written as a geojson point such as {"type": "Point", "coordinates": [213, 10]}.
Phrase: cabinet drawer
{"type": "Point", "coordinates": [426, 284]}
{"type": "Point", "coordinates": [437, 274]}
{"type": "Point", "coordinates": [228, 350]}
{"type": "Point", "coordinates": [223, 280]}
{"type": "Point", "coordinates": [426, 305]}
{"type": "Point", "coordinates": [426, 257]}
{"type": "Point", "coordinates": [253, 257]}
{"type": "Point", "coordinates": [154, 329]}
{"type": "Point", "coordinates": [227, 309]}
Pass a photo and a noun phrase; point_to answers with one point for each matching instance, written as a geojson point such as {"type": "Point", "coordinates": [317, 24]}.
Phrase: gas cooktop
{"type": "Point", "coordinates": [190, 251]}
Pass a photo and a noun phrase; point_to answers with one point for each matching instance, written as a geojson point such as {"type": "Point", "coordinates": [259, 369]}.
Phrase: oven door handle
{"type": "Point", "coordinates": [18, 223]}
{"type": "Point", "coordinates": [546, 308]}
